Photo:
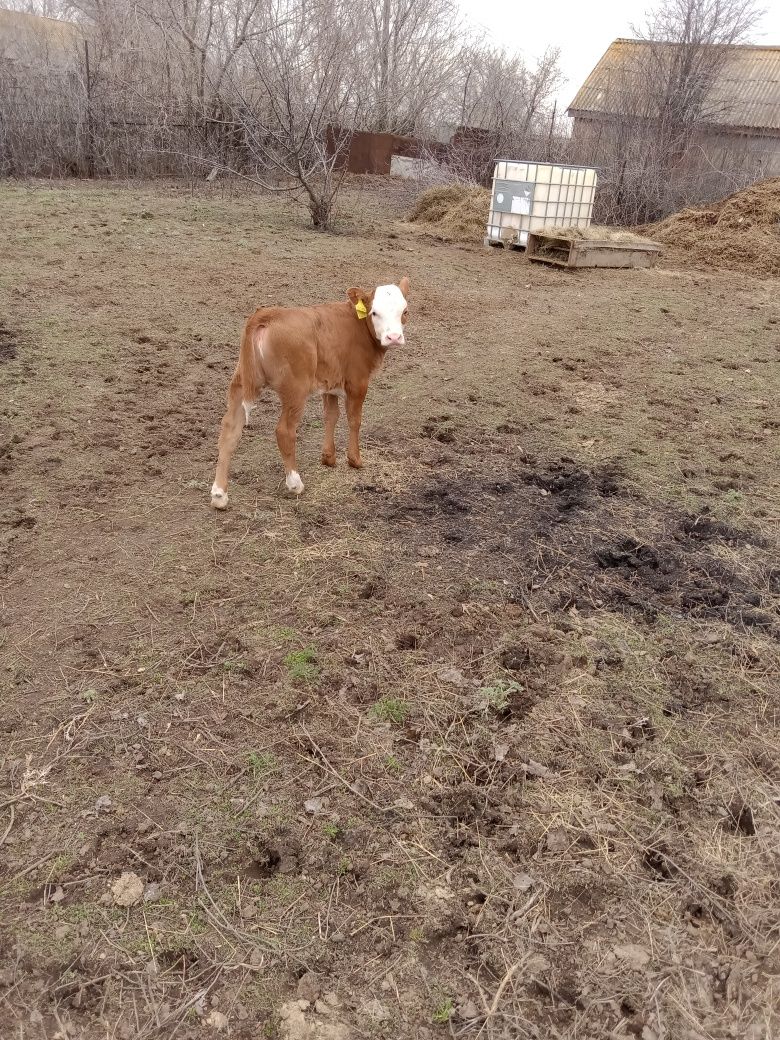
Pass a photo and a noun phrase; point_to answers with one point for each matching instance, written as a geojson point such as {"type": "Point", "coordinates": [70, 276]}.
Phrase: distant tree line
{"type": "Point", "coordinates": [255, 88]}
{"type": "Point", "coordinates": [149, 87]}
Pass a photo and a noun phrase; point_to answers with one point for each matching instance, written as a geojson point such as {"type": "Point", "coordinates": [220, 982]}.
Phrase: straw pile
{"type": "Point", "coordinates": [741, 233]}
{"type": "Point", "coordinates": [457, 212]}
{"type": "Point", "coordinates": [594, 233]}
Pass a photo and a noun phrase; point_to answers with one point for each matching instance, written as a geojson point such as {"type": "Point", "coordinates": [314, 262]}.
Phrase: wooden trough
{"type": "Point", "coordinates": [591, 252]}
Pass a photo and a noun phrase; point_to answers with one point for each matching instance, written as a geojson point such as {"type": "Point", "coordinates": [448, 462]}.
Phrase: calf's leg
{"type": "Point", "coordinates": [286, 435]}
{"type": "Point", "coordinates": [229, 436]}
{"type": "Point", "coordinates": [330, 406]}
{"type": "Point", "coordinates": [355, 400]}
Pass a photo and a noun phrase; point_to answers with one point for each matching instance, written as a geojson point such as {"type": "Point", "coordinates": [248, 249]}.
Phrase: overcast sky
{"type": "Point", "coordinates": [582, 30]}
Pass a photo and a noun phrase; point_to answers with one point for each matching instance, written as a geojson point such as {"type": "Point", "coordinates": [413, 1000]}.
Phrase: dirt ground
{"type": "Point", "coordinates": [480, 741]}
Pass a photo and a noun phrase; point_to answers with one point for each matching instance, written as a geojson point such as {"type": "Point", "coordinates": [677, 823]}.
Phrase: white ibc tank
{"type": "Point", "coordinates": [530, 195]}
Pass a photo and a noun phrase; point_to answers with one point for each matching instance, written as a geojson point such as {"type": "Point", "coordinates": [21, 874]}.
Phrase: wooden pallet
{"type": "Point", "coordinates": [590, 252]}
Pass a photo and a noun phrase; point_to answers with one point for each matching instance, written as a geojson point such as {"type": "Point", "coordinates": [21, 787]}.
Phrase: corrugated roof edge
{"type": "Point", "coordinates": [671, 43]}
{"type": "Point", "coordinates": [571, 111]}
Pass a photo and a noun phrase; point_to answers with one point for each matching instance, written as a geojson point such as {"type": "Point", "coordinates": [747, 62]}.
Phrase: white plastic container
{"type": "Point", "coordinates": [529, 195]}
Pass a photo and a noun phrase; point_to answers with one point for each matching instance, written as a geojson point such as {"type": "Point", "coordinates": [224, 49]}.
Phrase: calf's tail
{"type": "Point", "coordinates": [250, 363]}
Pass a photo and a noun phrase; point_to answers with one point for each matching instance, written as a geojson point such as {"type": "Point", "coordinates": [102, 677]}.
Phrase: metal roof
{"type": "Point", "coordinates": [746, 92]}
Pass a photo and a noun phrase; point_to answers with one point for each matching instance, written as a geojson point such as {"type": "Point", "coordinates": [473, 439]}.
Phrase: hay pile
{"type": "Point", "coordinates": [741, 233]}
{"type": "Point", "coordinates": [458, 212]}
{"type": "Point", "coordinates": [594, 233]}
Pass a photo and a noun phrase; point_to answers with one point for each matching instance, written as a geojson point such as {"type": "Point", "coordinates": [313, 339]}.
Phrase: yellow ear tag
{"type": "Point", "coordinates": [360, 309]}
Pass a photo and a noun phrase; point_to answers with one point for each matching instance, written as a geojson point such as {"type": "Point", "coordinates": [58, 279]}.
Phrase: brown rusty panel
{"type": "Point", "coordinates": [369, 152]}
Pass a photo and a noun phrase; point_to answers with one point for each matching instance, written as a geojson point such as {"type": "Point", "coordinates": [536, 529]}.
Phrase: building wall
{"type": "Point", "coordinates": [754, 153]}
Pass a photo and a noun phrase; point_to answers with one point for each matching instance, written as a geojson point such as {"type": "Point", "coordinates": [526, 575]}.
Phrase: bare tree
{"type": "Point", "coordinates": [408, 52]}
{"type": "Point", "coordinates": [503, 105]}
{"type": "Point", "coordinates": [500, 92]}
{"type": "Point", "coordinates": [266, 89]}
{"type": "Point", "coordinates": [293, 93]}
{"type": "Point", "coordinates": [657, 105]}
{"type": "Point", "coordinates": [689, 49]}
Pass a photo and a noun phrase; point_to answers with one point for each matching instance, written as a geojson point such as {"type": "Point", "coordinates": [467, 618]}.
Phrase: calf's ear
{"type": "Point", "coordinates": [356, 295]}
{"type": "Point", "coordinates": [403, 285]}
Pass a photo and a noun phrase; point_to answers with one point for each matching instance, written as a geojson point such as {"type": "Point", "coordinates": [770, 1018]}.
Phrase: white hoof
{"type": "Point", "coordinates": [219, 499]}
{"type": "Point", "coordinates": [294, 482]}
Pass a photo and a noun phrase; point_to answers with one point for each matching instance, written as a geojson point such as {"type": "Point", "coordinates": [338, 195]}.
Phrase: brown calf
{"type": "Point", "coordinates": [332, 349]}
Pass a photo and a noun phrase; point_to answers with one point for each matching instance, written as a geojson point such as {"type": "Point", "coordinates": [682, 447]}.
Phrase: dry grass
{"type": "Point", "coordinates": [465, 741]}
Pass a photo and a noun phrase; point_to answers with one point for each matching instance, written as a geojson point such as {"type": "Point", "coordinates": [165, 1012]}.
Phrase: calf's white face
{"type": "Point", "coordinates": [388, 313]}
